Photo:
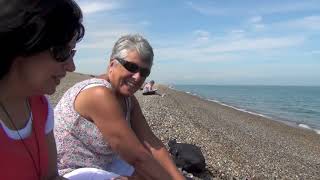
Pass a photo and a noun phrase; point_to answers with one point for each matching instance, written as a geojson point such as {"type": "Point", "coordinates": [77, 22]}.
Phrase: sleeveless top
{"type": "Point", "coordinates": [79, 142]}
{"type": "Point", "coordinates": [16, 162]}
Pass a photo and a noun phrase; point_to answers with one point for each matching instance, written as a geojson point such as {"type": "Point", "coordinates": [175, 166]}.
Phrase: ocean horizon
{"type": "Point", "coordinates": [293, 105]}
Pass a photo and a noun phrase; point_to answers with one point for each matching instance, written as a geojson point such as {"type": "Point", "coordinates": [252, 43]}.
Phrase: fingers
{"type": "Point", "coordinates": [120, 178]}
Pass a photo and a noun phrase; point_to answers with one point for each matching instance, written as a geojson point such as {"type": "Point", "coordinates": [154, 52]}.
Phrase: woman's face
{"type": "Point", "coordinates": [42, 72]}
{"type": "Point", "coordinates": [123, 81]}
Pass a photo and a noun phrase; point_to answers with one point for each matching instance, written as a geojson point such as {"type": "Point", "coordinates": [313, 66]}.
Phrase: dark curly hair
{"type": "Point", "coordinates": [28, 27]}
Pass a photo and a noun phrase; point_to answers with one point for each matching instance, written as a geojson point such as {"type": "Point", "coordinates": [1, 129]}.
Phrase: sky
{"type": "Point", "coordinates": [230, 42]}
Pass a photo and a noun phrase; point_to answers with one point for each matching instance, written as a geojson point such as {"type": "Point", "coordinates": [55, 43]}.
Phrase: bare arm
{"type": "Point", "coordinates": [156, 147]}
{"type": "Point", "coordinates": [101, 106]}
{"type": "Point", "coordinates": [52, 161]}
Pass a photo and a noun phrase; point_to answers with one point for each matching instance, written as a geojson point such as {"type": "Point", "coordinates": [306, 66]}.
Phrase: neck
{"type": "Point", "coordinates": [12, 91]}
{"type": "Point", "coordinates": [104, 76]}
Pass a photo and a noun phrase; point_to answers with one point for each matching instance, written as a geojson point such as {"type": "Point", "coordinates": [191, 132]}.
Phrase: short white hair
{"type": "Point", "coordinates": [133, 42]}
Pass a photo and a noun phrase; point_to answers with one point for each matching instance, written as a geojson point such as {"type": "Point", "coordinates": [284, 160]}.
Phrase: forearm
{"type": "Point", "coordinates": [152, 144]}
{"type": "Point", "coordinates": [164, 158]}
{"type": "Point", "coordinates": [52, 172]}
{"type": "Point", "coordinates": [149, 168]}
{"type": "Point", "coordinates": [58, 178]}
{"type": "Point", "coordinates": [136, 154]}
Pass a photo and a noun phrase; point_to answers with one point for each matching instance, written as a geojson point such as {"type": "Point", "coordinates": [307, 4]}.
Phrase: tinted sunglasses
{"type": "Point", "coordinates": [62, 53]}
{"type": "Point", "coordinates": [134, 68]}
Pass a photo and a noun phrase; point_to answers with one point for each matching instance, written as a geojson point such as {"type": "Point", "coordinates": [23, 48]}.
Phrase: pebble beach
{"type": "Point", "coordinates": [235, 144]}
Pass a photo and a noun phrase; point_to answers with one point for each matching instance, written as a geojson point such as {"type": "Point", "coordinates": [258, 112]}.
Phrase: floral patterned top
{"type": "Point", "coordinates": [79, 141]}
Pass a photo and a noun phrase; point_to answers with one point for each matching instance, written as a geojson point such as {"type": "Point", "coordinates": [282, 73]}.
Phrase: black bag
{"type": "Point", "coordinates": [187, 156]}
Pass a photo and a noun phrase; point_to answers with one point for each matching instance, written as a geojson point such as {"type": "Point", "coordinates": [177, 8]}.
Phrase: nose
{"type": "Point", "coordinates": [137, 76]}
{"type": "Point", "coordinates": [70, 66]}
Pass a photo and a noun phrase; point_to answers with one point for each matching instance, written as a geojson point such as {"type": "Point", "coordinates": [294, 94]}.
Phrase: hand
{"type": "Point", "coordinates": [59, 178]}
{"type": "Point", "coordinates": [121, 178]}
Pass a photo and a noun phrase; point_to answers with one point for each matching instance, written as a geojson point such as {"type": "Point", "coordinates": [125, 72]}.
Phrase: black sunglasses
{"type": "Point", "coordinates": [132, 67]}
{"type": "Point", "coordinates": [62, 53]}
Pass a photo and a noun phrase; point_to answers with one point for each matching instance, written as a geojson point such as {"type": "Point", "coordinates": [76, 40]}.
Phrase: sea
{"type": "Point", "coordinates": [294, 105]}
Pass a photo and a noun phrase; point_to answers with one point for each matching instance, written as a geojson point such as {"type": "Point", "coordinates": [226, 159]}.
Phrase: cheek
{"type": "Point", "coordinates": [40, 79]}
{"type": "Point", "coordinates": [40, 76]}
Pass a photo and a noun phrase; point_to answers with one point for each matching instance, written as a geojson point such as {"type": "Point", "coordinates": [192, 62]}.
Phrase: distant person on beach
{"type": "Point", "coordinates": [37, 41]}
{"type": "Point", "coordinates": [149, 90]}
{"type": "Point", "coordinates": [100, 127]}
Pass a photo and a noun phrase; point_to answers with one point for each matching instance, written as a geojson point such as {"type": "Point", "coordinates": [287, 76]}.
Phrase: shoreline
{"type": "Point", "coordinates": [235, 144]}
{"type": "Point", "coordinates": [253, 112]}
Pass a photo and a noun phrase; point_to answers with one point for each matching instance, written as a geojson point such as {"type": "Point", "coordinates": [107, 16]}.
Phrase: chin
{"type": "Point", "coordinates": [127, 92]}
{"type": "Point", "coordinates": [50, 90]}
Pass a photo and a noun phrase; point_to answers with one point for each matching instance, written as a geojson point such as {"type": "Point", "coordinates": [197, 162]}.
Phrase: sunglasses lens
{"type": "Point", "coordinates": [61, 54]}
{"type": "Point", "coordinates": [145, 72]}
{"type": "Point", "coordinates": [131, 67]}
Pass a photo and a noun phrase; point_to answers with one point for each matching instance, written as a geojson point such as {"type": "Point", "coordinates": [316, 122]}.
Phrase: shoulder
{"type": "Point", "coordinates": [99, 91]}
{"type": "Point", "coordinates": [93, 99]}
{"type": "Point", "coordinates": [95, 94]}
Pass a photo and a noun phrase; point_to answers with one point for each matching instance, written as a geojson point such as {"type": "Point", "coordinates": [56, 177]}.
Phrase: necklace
{"type": "Point", "coordinates": [24, 144]}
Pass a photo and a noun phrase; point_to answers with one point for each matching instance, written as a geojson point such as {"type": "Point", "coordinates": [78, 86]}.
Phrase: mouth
{"type": "Point", "coordinates": [131, 84]}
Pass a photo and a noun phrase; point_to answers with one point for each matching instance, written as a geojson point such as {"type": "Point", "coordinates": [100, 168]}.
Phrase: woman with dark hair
{"type": "Point", "coordinates": [37, 42]}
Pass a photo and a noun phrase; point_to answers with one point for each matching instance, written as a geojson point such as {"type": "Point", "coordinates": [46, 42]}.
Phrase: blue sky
{"type": "Point", "coordinates": [210, 42]}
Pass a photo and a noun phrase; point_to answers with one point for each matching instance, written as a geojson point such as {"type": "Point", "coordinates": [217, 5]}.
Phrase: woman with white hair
{"type": "Point", "coordinates": [100, 126]}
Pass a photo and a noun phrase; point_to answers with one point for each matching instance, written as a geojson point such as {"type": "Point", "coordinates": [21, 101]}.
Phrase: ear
{"type": "Point", "coordinates": [111, 65]}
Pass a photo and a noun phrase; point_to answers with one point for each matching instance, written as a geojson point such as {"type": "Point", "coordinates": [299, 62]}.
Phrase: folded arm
{"type": "Point", "coordinates": [52, 153]}
{"type": "Point", "coordinates": [102, 107]}
{"type": "Point", "coordinates": [151, 142]}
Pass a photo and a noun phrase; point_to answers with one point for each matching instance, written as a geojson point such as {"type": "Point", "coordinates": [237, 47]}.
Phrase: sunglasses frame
{"type": "Point", "coordinates": [144, 72]}
{"type": "Point", "coordinates": [61, 53]}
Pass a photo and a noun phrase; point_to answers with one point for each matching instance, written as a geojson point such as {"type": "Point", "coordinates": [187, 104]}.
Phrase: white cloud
{"type": "Point", "coordinates": [109, 33]}
{"type": "Point", "coordinates": [255, 22]}
{"type": "Point", "coordinates": [290, 7]}
{"type": "Point", "coordinates": [237, 31]}
{"type": "Point", "coordinates": [236, 34]}
{"type": "Point", "coordinates": [105, 37]}
{"type": "Point", "coordinates": [220, 9]}
{"type": "Point", "coordinates": [259, 26]}
{"type": "Point", "coordinates": [309, 22]}
{"type": "Point", "coordinates": [191, 55]}
{"type": "Point", "coordinates": [315, 52]}
{"type": "Point", "coordinates": [145, 23]}
{"type": "Point", "coordinates": [92, 6]}
{"type": "Point", "coordinates": [201, 35]}
{"type": "Point", "coordinates": [255, 44]}
{"type": "Point", "coordinates": [208, 9]}
{"type": "Point", "coordinates": [101, 39]}
{"type": "Point", "coordinates": [105, 43]}
{"type": "Point", "coordinates": [255, 19]}
{"type": "Point", "coordinates": [224, 50]}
